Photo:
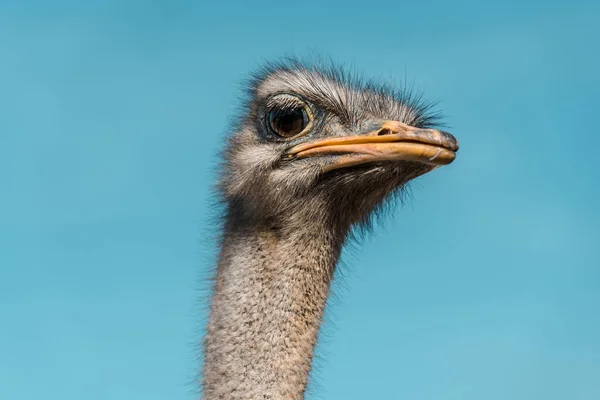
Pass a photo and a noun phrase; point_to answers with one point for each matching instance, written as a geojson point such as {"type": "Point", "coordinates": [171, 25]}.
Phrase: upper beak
{"type": "Point", "coordinates": [391, 141]}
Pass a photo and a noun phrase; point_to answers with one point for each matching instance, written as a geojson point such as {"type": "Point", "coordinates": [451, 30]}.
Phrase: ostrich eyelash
{"type": "Point", "coordinates": [285, 102]}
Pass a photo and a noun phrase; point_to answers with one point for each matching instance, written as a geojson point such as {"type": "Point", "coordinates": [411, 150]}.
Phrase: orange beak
{"type": "Point", "coordinates": [392, 141]}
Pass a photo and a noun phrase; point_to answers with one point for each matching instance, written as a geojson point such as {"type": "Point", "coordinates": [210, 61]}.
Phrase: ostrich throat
{"type": "Point", "coordinates": [271, 289]}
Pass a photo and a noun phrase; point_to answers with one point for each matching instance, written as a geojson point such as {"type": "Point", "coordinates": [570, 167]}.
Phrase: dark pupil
{"type": "Point", "coordinates": [287, 123]}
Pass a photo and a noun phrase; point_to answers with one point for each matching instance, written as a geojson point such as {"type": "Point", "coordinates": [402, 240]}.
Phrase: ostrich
{"type": "Point", "coordinates": [314, 155]}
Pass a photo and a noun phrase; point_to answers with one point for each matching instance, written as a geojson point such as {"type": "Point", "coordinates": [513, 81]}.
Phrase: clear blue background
{"type": "Point", "coordinates": [484, 286]}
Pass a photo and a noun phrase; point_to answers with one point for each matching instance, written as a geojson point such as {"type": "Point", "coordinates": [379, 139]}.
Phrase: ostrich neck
{"type": "Point", "coordinates": [270, 293]}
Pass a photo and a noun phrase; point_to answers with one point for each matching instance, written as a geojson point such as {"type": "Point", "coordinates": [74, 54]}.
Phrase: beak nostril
{"type": "Point", "coordinates": [384, 131]}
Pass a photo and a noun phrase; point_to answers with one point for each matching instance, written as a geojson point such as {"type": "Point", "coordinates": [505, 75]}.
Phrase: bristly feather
{"type": "Point", "coordinates": [353, 82]}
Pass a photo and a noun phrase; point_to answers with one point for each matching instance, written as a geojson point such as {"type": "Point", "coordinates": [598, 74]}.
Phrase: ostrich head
{"type": "Point", "coordinates": [314, 143]}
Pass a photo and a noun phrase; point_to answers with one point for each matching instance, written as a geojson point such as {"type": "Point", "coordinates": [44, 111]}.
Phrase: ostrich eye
{"type": "Point", "coordinates": [288, 122]}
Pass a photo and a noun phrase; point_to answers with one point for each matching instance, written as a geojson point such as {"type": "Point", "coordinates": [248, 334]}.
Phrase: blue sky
{"type": "Point", "coordinates": [485, 285]}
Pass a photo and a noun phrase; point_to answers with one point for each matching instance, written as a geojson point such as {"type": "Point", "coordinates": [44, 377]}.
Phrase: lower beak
{"type": "Point", "coordinates": [392, 141]}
